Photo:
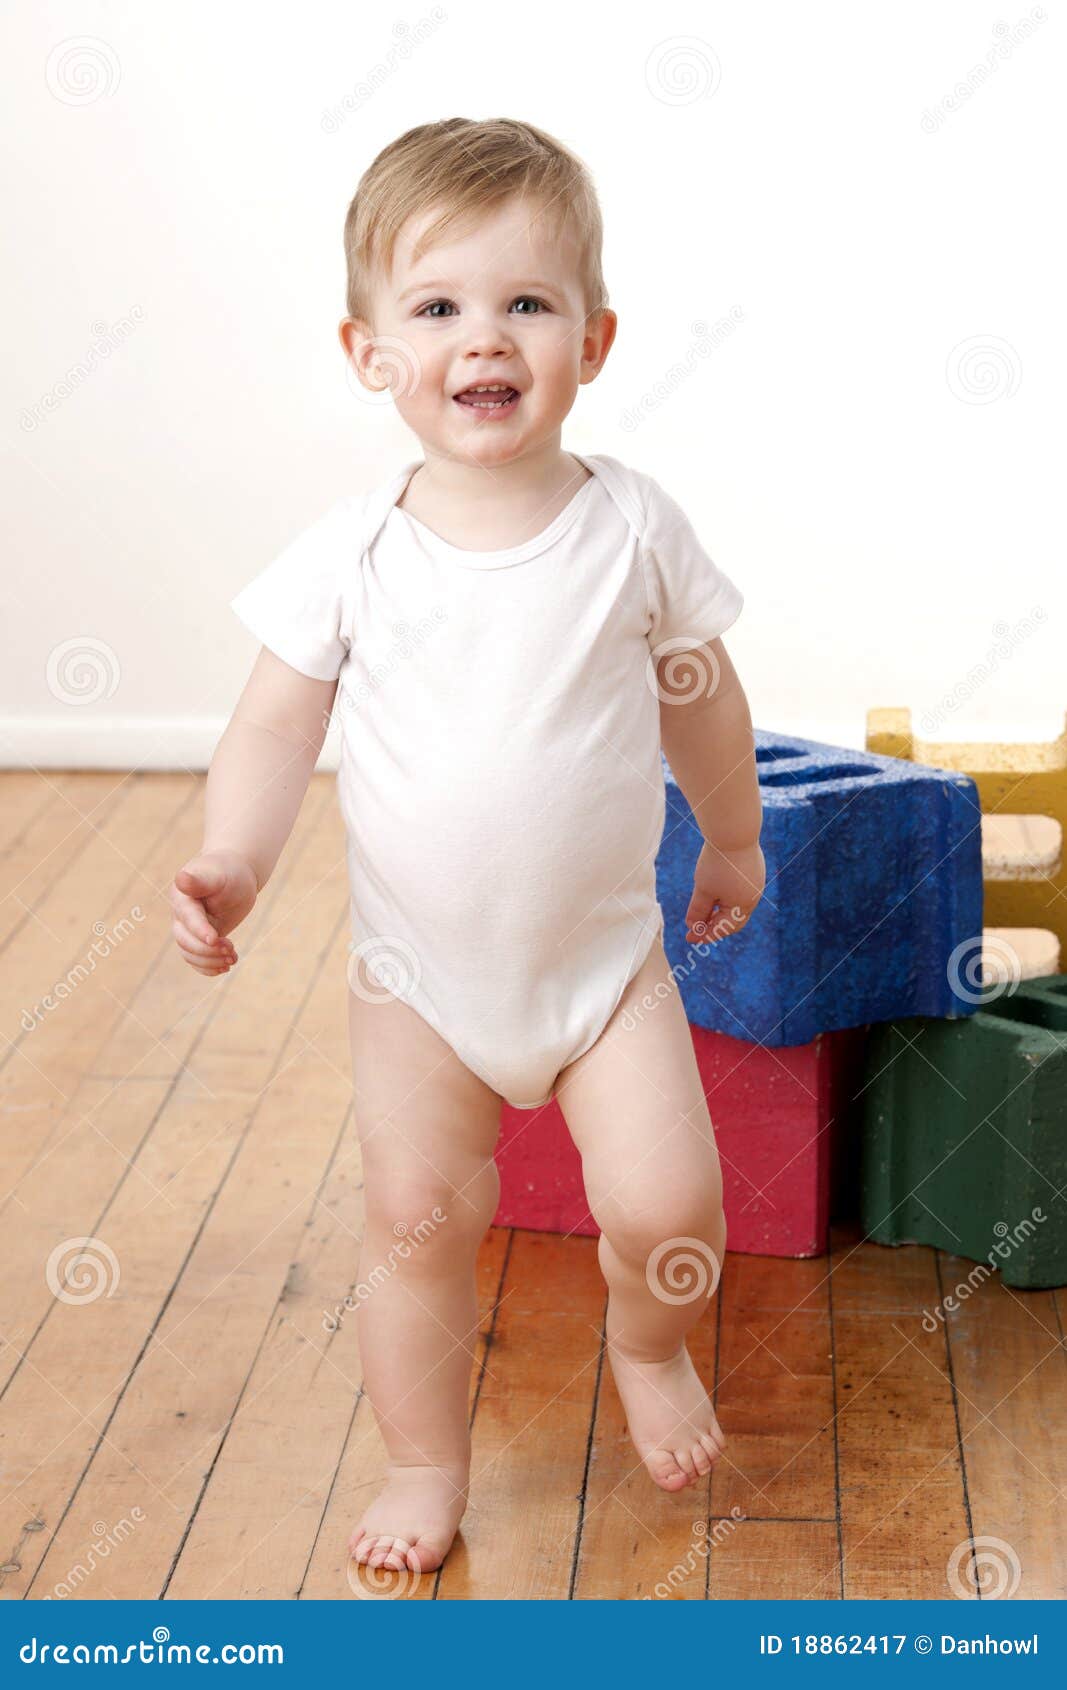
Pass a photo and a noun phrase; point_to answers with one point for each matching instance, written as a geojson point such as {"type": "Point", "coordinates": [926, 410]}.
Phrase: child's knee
{"type": "Point", "coordinates": [432, 1216]}
{"type": "Point", "coordinates": [640, 1227]}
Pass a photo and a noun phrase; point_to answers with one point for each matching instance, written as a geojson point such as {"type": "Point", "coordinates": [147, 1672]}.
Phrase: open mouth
{"type": "Point", "coordinates": [493, 399]}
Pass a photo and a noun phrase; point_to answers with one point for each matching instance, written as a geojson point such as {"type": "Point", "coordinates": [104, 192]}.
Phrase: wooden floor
{"type": "Point", "coordinates": [177, 1422]}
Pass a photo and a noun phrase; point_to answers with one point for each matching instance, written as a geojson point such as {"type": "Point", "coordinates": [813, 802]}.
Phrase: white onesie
{"type": "Point", "coordinates": [500, 776]}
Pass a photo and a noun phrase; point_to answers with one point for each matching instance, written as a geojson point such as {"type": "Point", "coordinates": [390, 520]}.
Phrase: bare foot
{"type": "Point", "coordinates": [413, 1519]}
{"type": "Point", "coordinates": [669, 1417]}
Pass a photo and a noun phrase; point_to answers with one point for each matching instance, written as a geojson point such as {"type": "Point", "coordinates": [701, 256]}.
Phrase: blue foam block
{"type": "Point", "coordinates": [873, 904]}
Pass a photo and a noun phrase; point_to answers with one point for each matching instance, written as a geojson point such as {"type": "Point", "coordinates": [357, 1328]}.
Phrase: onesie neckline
{"type": "Point", "coordinates": [441, 548]}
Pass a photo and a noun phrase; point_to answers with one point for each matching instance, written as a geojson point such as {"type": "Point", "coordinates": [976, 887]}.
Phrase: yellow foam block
{"type": "Point", "coordinates": [1014, 779]}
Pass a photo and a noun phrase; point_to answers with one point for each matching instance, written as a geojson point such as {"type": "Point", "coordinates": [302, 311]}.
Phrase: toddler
{"type": "Point", "coordinates": [512, 631]}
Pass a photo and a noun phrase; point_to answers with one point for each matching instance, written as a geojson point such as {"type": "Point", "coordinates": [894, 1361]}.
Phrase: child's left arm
{"type": "Point", "coordinates": [706, 733]}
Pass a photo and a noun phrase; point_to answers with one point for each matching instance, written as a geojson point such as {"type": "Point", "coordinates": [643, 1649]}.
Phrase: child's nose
{"type": "Point", "coordinates": [485, 336]}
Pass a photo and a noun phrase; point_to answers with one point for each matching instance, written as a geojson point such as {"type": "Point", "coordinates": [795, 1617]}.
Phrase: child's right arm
{"type": "Point", "coordinates": [258, 777]}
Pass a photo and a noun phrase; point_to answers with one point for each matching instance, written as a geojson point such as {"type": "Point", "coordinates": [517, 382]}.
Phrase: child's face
{"type": "Point", "coordinates": [502, 304]}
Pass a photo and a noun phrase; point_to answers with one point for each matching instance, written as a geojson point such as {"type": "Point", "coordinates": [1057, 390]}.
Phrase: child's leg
{"type": "Point", "coordinates": [428, 1127]}
{"type": "Point", "coordinates": [636, 1110]}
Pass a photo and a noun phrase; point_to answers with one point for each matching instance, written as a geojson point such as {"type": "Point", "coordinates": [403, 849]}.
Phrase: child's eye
{"type": "Point", "coordinates": [430, 310]}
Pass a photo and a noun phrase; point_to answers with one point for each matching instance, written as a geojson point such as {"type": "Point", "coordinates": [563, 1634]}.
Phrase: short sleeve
{"type": "Point", "coordinates": [689, 596]}
{"type": "Point", "coordinates": [296, 606]}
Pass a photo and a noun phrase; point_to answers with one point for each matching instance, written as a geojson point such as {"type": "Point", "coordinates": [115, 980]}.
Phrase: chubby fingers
{"type": "Point", "coordinates": [214, 958]}
{"type": "Point", "coordinates": [708, 920]}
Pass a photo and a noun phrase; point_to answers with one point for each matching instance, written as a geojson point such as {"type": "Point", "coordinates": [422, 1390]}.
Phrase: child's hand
{"type": "Point", "coordinates": [732, 879]}
{"type": "Point", "coordinates": [210, 896]}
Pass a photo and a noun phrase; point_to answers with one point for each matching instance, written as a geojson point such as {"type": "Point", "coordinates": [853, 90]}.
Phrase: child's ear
{"type": "Point", "coordinates": [360, 347]}
{"type": "Point", "coordinates": [599, 334]}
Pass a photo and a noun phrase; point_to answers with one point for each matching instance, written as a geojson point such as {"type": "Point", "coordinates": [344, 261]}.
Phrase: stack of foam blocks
{"type": "Point", "coordinates": [874, 888]}
{"type": "Point", "coordinates": [964, 1123]}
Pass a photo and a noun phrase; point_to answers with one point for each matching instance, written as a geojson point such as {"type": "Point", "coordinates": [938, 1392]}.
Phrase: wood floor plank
{"type": "Point", "coordinates": [79, 1403]}
{"type": "Point", "coordinates": [1010, 1370]}
{"type": "Point", "coordinates": [54, 958]}
{"type": "Point", "coordinates": [45, 822]}
{"type": "Point", "coordinates": [46, 1095]}
{"type": "Point", "coordinates": [532, 1426]}
{"type": "Point", "coordinates": [902, 1483]}
{"type": "Point", "coordinates": [773, 1560]}
{"type": "Point", "coordinates": [776, 1398]}
{"type": "Point", "coordinates": [66, 1160]}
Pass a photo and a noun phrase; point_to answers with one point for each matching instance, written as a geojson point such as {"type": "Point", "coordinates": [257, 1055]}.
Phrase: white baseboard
{"type": "Point", "coordinates": [187, 742]}
{"type": "Point", "coordinates": [119, 742]}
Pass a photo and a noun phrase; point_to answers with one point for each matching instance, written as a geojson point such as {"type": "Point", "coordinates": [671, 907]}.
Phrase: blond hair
{"type": "Point", "coordinates": [468, 169]}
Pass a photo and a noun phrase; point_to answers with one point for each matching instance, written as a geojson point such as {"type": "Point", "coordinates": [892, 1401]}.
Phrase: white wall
{"type": "Point", "coordinates": [173, 189]}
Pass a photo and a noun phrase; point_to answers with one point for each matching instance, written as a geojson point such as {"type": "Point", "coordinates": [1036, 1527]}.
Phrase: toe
{"type": "Point", "coordinates": [425, 1556]}
{"type": "Point", "coordinates": [389, 1552]}
{"type": "Point", "coordinates": [701, 1459]}
{"type": "Point", "coordinates": [684, 1459]}
{"type": "Point", "coordinates": [714, 1450]}
{"type": "Point", "coordinates": [664, 1468]}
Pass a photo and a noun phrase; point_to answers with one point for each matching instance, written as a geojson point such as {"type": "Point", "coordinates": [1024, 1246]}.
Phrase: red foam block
{"type": "Point", "coordinates": [779, 1118]}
